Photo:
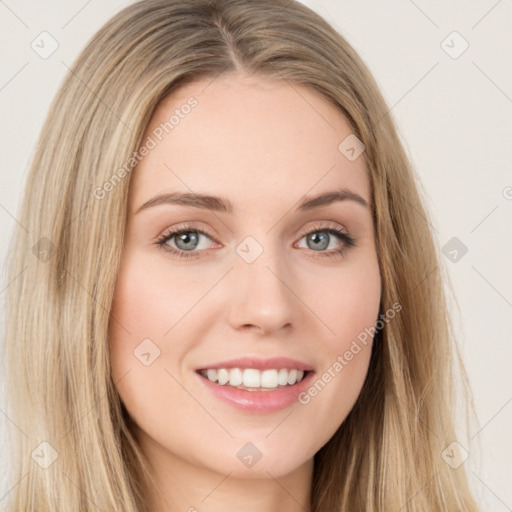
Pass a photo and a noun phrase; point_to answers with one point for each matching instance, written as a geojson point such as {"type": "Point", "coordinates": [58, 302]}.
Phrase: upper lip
{"type": "Point", "coordinates": [259, 364]}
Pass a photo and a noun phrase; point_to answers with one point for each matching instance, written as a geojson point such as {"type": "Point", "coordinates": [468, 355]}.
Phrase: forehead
{"type": "Point", "coordinates": [255, 141]}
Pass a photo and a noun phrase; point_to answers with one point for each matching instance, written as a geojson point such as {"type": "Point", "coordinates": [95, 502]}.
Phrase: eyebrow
{"type": "Point", "coordinates": [219, 204]}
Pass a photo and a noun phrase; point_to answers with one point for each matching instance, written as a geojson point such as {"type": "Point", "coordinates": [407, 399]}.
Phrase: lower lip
{"type": "Point", "coordinates": [258, 401]}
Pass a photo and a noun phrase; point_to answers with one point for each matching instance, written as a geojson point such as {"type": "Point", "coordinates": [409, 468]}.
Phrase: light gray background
{"type": "Point", "coordinates": [455, 118]}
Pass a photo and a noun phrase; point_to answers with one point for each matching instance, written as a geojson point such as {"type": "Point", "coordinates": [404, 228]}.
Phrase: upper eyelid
{"type": "Point", "coordinates": [186, 227]}
{"type": "Point", "coordinates": [171, 232]}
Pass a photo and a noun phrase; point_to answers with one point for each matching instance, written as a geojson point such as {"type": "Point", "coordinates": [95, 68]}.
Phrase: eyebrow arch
{"type": "Point", "coordinates": [222, 205]}
{"type": "Point", "coordinates": [343, 194]}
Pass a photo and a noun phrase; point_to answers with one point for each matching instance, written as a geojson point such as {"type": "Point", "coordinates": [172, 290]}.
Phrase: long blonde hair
{"type": "Point", "coordinates": [64, 258]}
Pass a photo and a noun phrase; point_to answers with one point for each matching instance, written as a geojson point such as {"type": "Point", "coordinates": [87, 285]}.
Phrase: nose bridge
{"type": "Point", "coordinates": [260, 294]}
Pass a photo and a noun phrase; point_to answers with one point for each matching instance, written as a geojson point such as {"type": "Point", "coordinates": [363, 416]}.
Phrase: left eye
{"type": "Point", "coordinates": [320, 239]}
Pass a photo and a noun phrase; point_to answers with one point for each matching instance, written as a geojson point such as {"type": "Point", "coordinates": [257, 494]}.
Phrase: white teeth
{"type": "Point", "coordinates": [253, 378]}
{"type": "Point", "coordinates": [235, 377]}
{"type": "Point", "coordinates": [292, 376]}
{"type": "Point", "coordinates": [282, 378]}
{"type": "Point", "coordinates": [269, 379]}
{"type": "Point", "coordinates": [222, 376]}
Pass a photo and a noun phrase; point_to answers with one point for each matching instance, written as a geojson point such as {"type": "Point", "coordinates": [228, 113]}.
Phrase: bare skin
{"type": "Point", "coordinates": [265, 148]}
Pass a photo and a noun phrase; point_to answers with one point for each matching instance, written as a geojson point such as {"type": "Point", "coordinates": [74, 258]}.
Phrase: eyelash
{"type": "Point", "coordinates": [347, 240]}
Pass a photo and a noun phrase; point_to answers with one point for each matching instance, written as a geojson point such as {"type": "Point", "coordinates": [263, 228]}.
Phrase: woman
{"type": "Point", "coordinates": [228, 297]}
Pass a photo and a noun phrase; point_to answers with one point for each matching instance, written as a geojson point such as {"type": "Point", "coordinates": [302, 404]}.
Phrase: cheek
{"type": "Point", "coordinates": [348, 303]}
{"type": "Point", "coordinates": [134, 316]}
{"type": "Point", "coordinates": [142, 311]}
{"type": "Point", "coordinates": [349, 308]}
{"type": "Point", "coordinates": [148, 301]}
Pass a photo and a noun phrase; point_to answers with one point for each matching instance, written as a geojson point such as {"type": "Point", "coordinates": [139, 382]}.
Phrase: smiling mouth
{"type": "Point", "coordinates": [252, 379]}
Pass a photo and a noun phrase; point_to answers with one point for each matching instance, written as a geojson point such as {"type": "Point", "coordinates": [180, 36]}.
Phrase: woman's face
{"type": "Point", "coordinates": [257, 288]}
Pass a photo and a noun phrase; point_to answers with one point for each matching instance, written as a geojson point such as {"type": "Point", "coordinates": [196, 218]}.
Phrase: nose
{"type": "Point", "coordinates": [261, 295]}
